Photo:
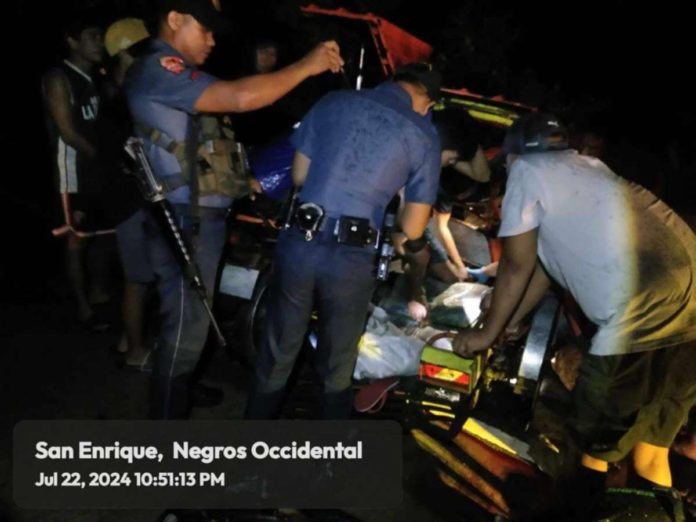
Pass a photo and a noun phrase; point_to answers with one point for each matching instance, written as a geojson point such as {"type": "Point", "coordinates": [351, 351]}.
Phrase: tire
{"type": "Point", "coordinates": [251, 318]}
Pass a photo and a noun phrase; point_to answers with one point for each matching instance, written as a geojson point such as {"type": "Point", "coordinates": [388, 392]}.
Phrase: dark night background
{"type": "Point", "coordinates": [620, 67]}
{"type": "Point", "coordinates": [612, 66]}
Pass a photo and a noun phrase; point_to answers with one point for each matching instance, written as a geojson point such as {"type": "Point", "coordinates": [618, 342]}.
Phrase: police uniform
{"type": "Point", "coordinates": [162, 90]}
{"type": "Point", "coordinates": [363, 146]}
{"type": "Point", "coordinates": [78, 175]}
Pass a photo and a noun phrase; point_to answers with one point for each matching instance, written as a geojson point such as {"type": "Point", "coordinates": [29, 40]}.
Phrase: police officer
{"type": "Point", "coordinates": [166, 91]}
{"type": "Point", "coordinates": [355, 150]}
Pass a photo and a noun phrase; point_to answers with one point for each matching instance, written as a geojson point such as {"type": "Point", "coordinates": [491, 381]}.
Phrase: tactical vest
{"type": "Point", "coordinates": [219, 162]}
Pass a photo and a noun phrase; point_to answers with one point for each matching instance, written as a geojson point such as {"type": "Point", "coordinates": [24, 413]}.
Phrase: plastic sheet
{"type": "Point", "coordinates": [385, 350]}
{"type": "Point", "coordinates": [272, 167]}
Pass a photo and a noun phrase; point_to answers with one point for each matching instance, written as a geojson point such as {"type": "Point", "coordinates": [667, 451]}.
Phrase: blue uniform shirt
{"type": "Point", "coordinates": [364, 146]}
{"type": "Point", "coordinates": [162, 90]}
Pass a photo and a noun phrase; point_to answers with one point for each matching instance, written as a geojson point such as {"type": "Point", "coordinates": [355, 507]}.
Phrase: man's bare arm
{"type": "Point", "coordinates": [514, 273]}
{"type": "Point", "coordinates": [480, 167]}
{"type": "Point", "coordinates": [57, 94]}
{"type": "Point", "coordinates": [255, 92]}
{"type": "Point", "coordinates": [414, 219]}
{"type": "Point", "coordinates": [539, 284]}
{"type": "Point", "coordinates": [300, 167]}
{"type": "Point", "coordinates": [445, 235]}
{"type": "Point", "coordinates": [477, 168]}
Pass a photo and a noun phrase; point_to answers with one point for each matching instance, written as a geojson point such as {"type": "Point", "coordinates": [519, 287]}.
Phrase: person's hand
{"type": "Point", "coordinates": [417, 310]}
{"type": "Point", "coordinates": [398, 240]}
{"type": "Point", "coordinates": [515, 332]}
{"type": "Point", "coordinates": [469, 342]}
{"type": "Point", "coordinates": [460, 272]}
{"type": "Point", "coordinates": [325, 56]}
{"type": "Point", "coordinates": [255, 187]}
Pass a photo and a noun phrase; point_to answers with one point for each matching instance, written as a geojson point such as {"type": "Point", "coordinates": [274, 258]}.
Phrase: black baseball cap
{"type": "Point", "coordinates": [203, 11]}
{"type": "Point", "coordinates": [535, 132]}
{"type": "Point", "coordinates": [422, 73]}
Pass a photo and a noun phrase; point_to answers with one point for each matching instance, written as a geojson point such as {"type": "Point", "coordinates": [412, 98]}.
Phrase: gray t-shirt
{"type": "Point", "coordinates": [627, 259]}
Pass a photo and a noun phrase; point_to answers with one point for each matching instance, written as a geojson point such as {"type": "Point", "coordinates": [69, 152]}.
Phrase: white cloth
{"type": "Point", "coordinates": [627, 259]}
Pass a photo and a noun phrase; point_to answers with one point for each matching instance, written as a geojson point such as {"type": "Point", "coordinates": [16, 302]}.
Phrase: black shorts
{"type": "Point", "coordinates": [640, 397]}
{"type": "Point", "coordinates": [91, 213]}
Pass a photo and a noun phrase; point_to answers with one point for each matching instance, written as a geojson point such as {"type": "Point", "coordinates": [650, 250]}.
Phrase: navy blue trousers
{"type": "Point", "coordinates": [184, 321]}
{"type": "Point", "coordinates": [335, 280]}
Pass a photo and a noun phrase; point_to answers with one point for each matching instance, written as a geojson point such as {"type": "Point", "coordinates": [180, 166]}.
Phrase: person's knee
{"type": "Point", "coordinates": [272, 382]}
{"type": "Point", "coordinates": [271, 373]}
{"type": "Point", "coordinates": [338, 380]}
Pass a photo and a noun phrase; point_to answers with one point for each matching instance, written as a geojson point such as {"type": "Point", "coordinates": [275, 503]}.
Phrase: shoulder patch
{"type": "Point", "coordinates": [173, 64]}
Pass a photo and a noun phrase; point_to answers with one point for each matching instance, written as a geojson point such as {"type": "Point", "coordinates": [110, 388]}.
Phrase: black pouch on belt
{"type": "Point", "coordinates": [355, 231]}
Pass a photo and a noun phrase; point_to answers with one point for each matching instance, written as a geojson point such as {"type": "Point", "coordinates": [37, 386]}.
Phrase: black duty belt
{"type": "Point", "coordinates": [347, 230]}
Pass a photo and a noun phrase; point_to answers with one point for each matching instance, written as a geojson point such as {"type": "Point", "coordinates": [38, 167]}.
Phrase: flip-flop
{"type": "Point", "coordinates": [371, 398]}
{"type": "Point", "coordinates": [145, 366]}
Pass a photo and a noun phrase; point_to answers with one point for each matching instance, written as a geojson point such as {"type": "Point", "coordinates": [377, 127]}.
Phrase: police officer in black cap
{"type": "Point", "coordinates": [355, 150]}
{"type": "Point", "coordinates": [166, 92]}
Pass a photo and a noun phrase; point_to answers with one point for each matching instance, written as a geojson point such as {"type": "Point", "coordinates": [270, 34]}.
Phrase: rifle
{"type": "Point", "coordinates": [154, 192]}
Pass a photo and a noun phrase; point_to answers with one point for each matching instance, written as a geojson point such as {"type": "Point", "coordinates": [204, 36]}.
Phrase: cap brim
{"type": "Point", "coordinates": [212, 19]}
{"type": "Point", "coordinates": [216, 23]}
